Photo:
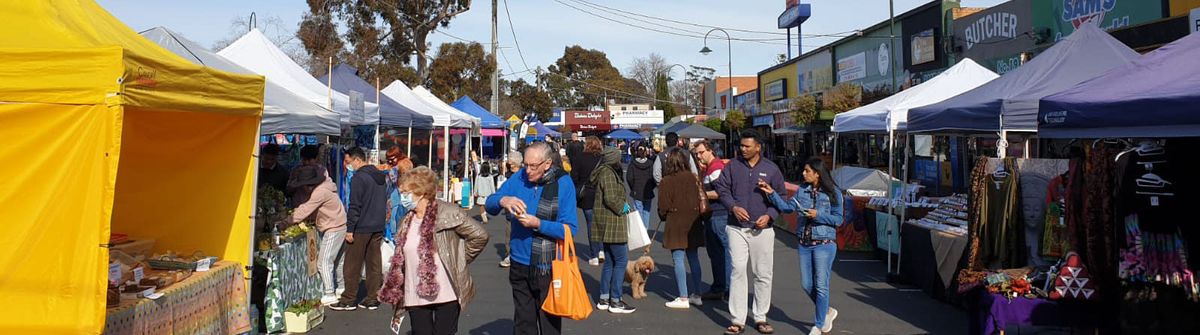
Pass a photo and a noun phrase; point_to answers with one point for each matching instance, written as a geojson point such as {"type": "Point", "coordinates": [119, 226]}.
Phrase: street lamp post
{"type": "Point", "coordinates": [729, 51]}
{"type": "Point", "coordinates": [685, 96]}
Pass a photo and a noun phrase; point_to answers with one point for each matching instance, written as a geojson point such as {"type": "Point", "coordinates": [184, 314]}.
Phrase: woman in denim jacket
{"type": "Point", "coordinates": [819, 202]}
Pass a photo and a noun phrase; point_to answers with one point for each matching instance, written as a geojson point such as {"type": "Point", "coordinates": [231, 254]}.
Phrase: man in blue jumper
{"type": "Point", "coordinates": [539, 201]}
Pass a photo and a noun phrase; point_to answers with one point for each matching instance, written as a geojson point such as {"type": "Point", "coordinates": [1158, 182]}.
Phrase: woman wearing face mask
{"type": "Point", "coordinates": [437, 240]}
{"type": "Point", "coordinates": [819, 202]}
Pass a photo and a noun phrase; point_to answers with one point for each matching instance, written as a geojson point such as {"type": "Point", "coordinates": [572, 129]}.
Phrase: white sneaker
{"type": "Point", "coordinates": [680, 303]}
{"type": "Point", "coordinates": [815, 331]}
{"type": "Point", "coordinates": [695, 299]}
{"type": "Point", "coordinates": [594, 262]}
{"type": "Point", "coordinates": [601, 257]}
{"type": "Point", "coordinates": [505, 262]}
{"type": "Point", "coordinates": [829, 316]}
{"type": "Point", "coordinates": [329, 300]}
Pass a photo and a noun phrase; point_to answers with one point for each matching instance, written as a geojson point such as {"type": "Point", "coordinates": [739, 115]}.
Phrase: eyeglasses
{"type": "Point", "coordinates": [527, 165]}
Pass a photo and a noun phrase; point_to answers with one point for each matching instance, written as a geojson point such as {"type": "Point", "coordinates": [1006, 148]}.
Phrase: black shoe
{"type": "Point", "coordinates": [370, 306]}
{"type": "Point", "coordinates": [341, 306]}
{"type": "Point", "coordinates": [620, 307]}
{"type": "Point", "coordinates": [714, 295]}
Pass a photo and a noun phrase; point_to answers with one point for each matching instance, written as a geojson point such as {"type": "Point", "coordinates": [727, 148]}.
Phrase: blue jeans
{"type": "Point", "coordinates": [681, 277]}
{"type": "Point", "coordinates": [612, 273]}
{"type": "Point", "coordinates": [717, 246]}
{"type": "Point", "coordinates": [643, 208]}
{"type": "Point", "coordinates": [595, 249]}
{"type": "Point", "coordinates": [816, 263]}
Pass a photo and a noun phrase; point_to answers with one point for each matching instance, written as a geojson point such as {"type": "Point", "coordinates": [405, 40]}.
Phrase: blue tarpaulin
{"type": "Point", "coordinates": [391, 113]}
{"type": "Point", "coordinates": [1011, 101]}
{"type": "Point", "coordinates": [622, 134]}
{"type": "Point", "coordinates": [1157, 95]}
{"type": "Point", "coordinates": [486, 118]}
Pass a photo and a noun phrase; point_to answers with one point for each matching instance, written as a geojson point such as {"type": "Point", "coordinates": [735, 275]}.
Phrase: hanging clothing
{"type": "Point", "coordinates": [1090, 216]}
{"type": "Point", "coordinates": [1004, 236]}
{"type": "Point", "coordinates": [1054, 237]}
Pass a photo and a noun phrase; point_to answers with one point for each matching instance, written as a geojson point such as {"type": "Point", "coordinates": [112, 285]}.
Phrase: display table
{"type": "Point", "coordinates": [992, 313]}
{"type": "Point", "coordinates": [211, 302]}
{"type": "Point", "coordinates": [931, 259]}
{"type": "Point", "coordinates": [290, 280]}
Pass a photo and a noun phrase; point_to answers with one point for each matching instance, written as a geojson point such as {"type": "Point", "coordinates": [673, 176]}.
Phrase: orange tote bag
{"type": "Point", "coordinates": [568, 296]}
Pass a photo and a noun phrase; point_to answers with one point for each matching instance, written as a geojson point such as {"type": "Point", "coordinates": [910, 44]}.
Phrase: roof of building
{"type": "Point", "coordinates": [738, 81]}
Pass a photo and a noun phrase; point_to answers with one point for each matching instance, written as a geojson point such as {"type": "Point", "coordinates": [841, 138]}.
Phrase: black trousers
{"type": "Point", "coordinates": [364, 251]}
{"type": "Point", "coordinates": [529, 291]}
{"type": "Point", "coordinates": [436, 319]}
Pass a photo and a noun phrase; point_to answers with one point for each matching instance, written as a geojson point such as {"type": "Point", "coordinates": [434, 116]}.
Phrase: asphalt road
{"type": "Point", "coordinates": [866, 302]}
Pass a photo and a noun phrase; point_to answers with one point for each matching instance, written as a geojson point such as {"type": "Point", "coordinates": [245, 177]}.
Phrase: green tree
{"type": "Point", "coordinates": [583, 78]}
{"type": "Point", "coordinates": [380, 34]}
{"type": "Point", "coordinates": [735, 119]}
{"type": "Point", "coordinates": [663, 98]}
{"type": "Point", "coordinates": [715, 124]}
{"type": "Point", "coordinates": [461, 69]}
{"type": "Point", "coordinates": [520, 97]}
{"type": "Point", "coordinates": [843, 97]}
{"type": "Point", "coordinates": [803, 109]}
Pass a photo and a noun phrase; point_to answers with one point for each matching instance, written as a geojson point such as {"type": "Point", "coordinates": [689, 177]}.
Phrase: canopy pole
{"type": "Point", "coordinates": [410, 140]}
{"type": "Point", "coordinates": [904, 207]}
{"type": "Point", "coordinates": [329, 84]}
{"type": "Point", "coordinates": [430, 164]}
{"type": "Point", "coordinates": [378, 139]}
{"type": "Point", "coordinates": [835, 152]}
{"type": "Point", "coordinates": [891, 209]}
{"type": "Point", "coordinates": [446, 164]}
{"type": "Point", "coordinates": [467, 160]}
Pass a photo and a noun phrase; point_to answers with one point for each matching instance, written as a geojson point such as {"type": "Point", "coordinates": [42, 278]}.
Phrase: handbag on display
{"type": "Point", "coordinates": [568, 296]}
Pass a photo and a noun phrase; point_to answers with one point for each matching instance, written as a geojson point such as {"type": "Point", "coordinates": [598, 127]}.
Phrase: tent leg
{"type": "Point", "coordinates": [410, 140]}
{"type": "Point", "coordinates": [835, 152]}
{"type": "Point", "coordinates": [467, 160]}
{"type": "Point", "coordinates": [430, 164]}
{"type": "Point", "coordinates": [903, 208]}
{"type": "Point", "coordinates": [446, 164]}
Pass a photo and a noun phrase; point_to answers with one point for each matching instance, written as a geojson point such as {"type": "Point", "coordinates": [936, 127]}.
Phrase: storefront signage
{"type": "Point", "coordinates": [923, 47]}
{"type": "Point", "coordinates": [990, 27]}
{"type": "Point", "coordinates": [793, 16]}
{"type": "Point", "coordinates": [1194, 20]}
{"type": "Point", "coordinates": [814, 73]}
{"type": "Point", "coordinates": [852, 68]}
{"type": "Point", "coordinates": [587, 120]}
{"type": "Point", "coordinates": [637, 117]}
{"type": "Point", "coordinates": [776, 90]}
{"type": "Point", "coordinates": [764, 120]}
{"type": "Point", "coordinates": [1004, 65]}
{"type": "Point", "coordinates": [1000, 31]}
{"type": "Point", "coordinates": [1066, 16]}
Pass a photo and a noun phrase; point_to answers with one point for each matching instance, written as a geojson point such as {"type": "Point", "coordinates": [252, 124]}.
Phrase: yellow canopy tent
{"type": "Point", "coordinates": [103, 132]}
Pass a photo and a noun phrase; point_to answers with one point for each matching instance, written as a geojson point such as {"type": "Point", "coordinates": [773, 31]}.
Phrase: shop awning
{"type": "Point", "coordinates": [1155, 96]}
{"type": "Point", "coordinates": [1013, 97]}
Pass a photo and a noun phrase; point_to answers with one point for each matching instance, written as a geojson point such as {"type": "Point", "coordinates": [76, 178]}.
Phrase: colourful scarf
{"type": "Point", "coordinates": [392, 291]}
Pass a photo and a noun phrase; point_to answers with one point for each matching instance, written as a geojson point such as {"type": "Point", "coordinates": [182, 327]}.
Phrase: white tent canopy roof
{"type": "Point", "coordinates": [256, 52]}
{"type": "Point", "coordinates": [434, 101]}
{"type": "Point", "coordinates": [405, 96]}
{"type": "Point", "coordinates": [891, 113]}
{"type": "Point", "coordinates": [283, 111]}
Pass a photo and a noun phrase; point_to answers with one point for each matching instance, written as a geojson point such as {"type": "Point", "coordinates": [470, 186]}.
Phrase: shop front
{"type": "Point", "coordinates": [588, 122]}
{"type": "Point", "coordinates": [998, 36]}
{"type": "Point", "coordinates": [635, 119]}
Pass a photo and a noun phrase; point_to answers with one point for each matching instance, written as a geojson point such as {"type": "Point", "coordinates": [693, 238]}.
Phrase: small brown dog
{"type": "Point", "coordinates": [636, 274]}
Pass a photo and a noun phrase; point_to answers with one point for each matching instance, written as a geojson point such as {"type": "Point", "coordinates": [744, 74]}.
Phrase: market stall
{"type": "Point", "coordinates": [491, 126]}
{"type": "Point", "coordinates": [94, 112]}
{"type": "Point", "coordinates": [344, 79]}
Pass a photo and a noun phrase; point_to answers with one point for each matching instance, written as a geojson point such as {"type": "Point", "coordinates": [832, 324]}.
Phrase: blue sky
{"type": "Point", "coordinates": [544, 27]}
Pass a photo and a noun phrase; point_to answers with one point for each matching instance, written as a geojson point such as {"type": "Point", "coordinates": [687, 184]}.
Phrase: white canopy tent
{"type": "Point", "coordinates": [443, 118]}
{"type": "Point", "coordinates": [434, 101]}
{"type": "Point", "coordinates": [254, 51]}
{"type": "Point", "coordinates": [283, 111]}
{"type": "Point", "coordinates": [891, 113]}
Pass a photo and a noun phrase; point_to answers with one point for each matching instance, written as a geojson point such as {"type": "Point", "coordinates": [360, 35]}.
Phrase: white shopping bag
{"type": "Point", "coordinates": [387, 249]}
{"type": "Point", "coordinates": [637, 232]}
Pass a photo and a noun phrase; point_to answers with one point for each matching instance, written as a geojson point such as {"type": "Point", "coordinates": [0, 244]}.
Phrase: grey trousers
{"type": "Point", "coordinates": [328, 259]}
{"type": "Point", "coordinates": [753, 250]}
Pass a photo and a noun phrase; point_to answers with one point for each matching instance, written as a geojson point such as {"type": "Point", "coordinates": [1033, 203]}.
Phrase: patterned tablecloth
{"type": "Point", "coordinates": [289, 280]}
{"type": "Point", "coordinates": [212, 302]}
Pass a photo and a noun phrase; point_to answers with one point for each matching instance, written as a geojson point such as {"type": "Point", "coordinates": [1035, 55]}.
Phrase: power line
{"type": "Point", "coordinates": [512, 30]}
{"type": "Point", "coordinates": [655, 29]}
{"type": "Point", "coordinates": [617, 10]}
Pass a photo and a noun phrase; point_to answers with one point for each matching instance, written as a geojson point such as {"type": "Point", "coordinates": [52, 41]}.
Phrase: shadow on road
{"type": "Point", "coordinates": [502, 326]}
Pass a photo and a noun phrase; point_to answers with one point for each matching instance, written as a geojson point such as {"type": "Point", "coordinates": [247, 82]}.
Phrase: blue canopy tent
{"type": "Point", "coordinates": [486, 118]}
{"type": "Point", "coordinates": [1157, 95]}
{"type": "Point", "coordinates": [623, 134]}
{"type": "Point", "coordinates": [543, 130]}
{"type": "Point", "coordinates": [391, 113]}
{"type": "Point", "coordinates": [1010, 103]}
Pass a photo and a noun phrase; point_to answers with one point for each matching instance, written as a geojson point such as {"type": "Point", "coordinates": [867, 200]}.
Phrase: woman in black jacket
{"type": "Point", "coordinates": [640, 177]}
{"type": "Point", "coordinates": [582, 166]}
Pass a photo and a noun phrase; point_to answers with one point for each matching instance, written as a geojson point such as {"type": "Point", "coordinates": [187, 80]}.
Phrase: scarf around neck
{"type": "Point", "coordinates": [392, 291]}
{"type": "Point", "coordinates": [544, 248]}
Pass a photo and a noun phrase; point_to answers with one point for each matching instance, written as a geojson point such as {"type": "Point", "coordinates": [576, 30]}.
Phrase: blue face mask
{"type": "Point", "coordinates": [408, 201]}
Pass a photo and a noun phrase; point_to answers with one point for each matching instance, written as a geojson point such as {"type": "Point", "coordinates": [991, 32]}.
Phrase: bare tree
{"type": "Point", "coordinates": [645, 70]}
{"type": "Point", "coordinates": [271, 26]}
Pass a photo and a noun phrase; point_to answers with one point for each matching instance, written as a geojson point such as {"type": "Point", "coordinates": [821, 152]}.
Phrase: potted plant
{"type": "Point", "coordinates": [303, 316]}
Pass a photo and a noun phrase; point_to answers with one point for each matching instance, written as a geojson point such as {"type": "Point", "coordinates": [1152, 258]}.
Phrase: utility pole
{"type": "Point", "coordinates": [496, 80]}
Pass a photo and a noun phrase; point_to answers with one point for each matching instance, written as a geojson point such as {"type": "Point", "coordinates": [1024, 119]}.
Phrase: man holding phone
{"type": "Point", "coordinates": [751, 238]}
